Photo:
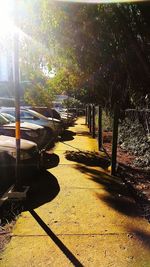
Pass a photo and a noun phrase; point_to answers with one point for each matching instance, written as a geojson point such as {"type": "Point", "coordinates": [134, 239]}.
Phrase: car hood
{"type": "Point", "coordinates": [10, 142]}
{"type": "Point", "coordinates": [25, 125]}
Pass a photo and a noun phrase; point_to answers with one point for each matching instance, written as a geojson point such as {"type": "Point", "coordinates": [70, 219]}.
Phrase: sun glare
{"type": "Point", "coordinates": [6, 22]}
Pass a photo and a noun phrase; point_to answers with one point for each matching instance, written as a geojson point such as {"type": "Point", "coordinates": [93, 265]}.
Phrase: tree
{"type": "Point", "coordinates": [37, 93]}
{"type": "Point", "coordinates": [71, 102]}
{"type": "Point", "coordinates": [105, 48]}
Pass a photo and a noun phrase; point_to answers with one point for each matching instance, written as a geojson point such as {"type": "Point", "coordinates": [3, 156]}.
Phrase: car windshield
{"type": "Point", "coordinates": [24, 113]}
{"type": "Point", "coordinates": [3, 120]}
{"type": "Point", "coordinates": [9, 117]}
{"type": "Point", "coordinates": [36, 114]}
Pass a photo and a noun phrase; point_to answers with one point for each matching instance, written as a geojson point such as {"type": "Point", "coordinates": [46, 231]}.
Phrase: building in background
{"type": "Point", "coordinates": [4, 66]}
{"type": "Point", "coordinates": [6, 73]}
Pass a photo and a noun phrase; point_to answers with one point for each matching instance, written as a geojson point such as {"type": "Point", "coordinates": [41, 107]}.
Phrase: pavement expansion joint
{"type": "Point", "coordinates": [83, 188]}
{"type": "Point", "coordinates": [81, 234]}
{"type": "Point", "coordinates": [64, 164]}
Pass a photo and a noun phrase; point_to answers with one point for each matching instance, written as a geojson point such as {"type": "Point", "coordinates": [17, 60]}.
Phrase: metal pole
{"type": "Point", "coordinates": [115, 139]}
{"type": "Point", "coordinates": [93, 121]}
{"type": "Point", "coordinates": [90, 119]}
{"type": "Point", "coordinates": [86, 114]}
{"type": "Point", "coordinates": [17, 96]}
{"type": "Point", "coordinates": [100, 130]}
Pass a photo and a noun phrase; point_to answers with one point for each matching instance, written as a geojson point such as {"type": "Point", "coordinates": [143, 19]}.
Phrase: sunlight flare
{"type": "Point", "coordinates": [6, 22]}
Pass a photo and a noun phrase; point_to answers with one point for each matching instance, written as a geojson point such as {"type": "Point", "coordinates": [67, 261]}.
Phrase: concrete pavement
{"type": "Point", "coordinates": [79, 216]}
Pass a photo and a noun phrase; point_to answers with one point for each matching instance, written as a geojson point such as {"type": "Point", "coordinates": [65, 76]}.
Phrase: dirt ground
{"type": "Point", "coordinates": [138, 179]}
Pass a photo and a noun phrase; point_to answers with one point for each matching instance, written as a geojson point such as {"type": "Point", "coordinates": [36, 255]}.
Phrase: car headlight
{"type": "Point", "coordinates": [23, 154]}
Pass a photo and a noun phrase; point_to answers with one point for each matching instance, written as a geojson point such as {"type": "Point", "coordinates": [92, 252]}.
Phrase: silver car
{"type": "Point", "coordinates": [29, 131]}
{"type": "Point", "coordinates": [32, 116]}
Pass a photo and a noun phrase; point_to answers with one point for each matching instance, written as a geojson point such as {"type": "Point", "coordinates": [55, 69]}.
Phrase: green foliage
{"type": "Point", "coordinates": [72, 103]}
{"type": "Point", "coordinates": [107, 121]}
{"type": "Point", "coordinates": [67, 82]}
{"type": "Point", "coordinates": [100, 52]}
{"type": "Point", "coordinates": [38, 93]}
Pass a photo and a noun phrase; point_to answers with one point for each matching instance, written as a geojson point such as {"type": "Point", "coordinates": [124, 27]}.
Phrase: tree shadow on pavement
{"type": "Point", "coordinates": [143, 236]}
{"type": "Point", "coordinates": [56, 240]}
{"type": "Point", "coordinates": [122, 204]}
{"type": "Point", "coordinates": [67, 136]}
{"type": "Point", "coordinates": [84, 133]}
{"type": "Point", "coordinates": [88, 158]}
{"type": "Point", "coordinates": [119, 197]}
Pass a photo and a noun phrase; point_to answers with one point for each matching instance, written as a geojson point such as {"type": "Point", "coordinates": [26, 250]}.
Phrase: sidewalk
{"type": "Point", "coordinates": [84, 218]}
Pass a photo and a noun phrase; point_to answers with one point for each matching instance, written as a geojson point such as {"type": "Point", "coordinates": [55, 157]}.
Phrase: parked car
{"type": "Point", "coordinates": [29, 153]}
{"type": "Point", "coordinates": [47, 112]}
{"type": "Point", "coordinates": [28, 115]}
{"type": "Point", "coordinates": [52, 115]}
{"type": "Point", "coordinates": [9, 117]}
{"type": "Point", "coordinates": [67, 118]}
{"type": "Point", "coordinates": [63, 116]}
{"type": "Point", "coordinates": [30, 158]}
{"type": "Point", "coordinates": [42, 136]}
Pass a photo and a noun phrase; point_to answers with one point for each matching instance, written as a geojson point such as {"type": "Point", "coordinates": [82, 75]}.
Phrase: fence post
{"type": "Point", "coordinates": [90, 119]}
{"type": "Point", "coordinates": [115, 139]}
{"type": "Point", "coordinates": [86, 114]}
{"type": "Point", "coordinates": [93, 121]}
{"type": "Point", "coordinates": [100, 132]}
